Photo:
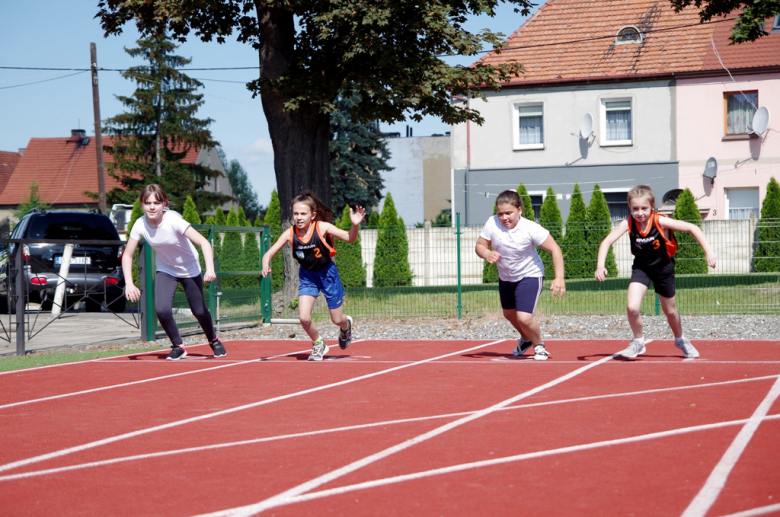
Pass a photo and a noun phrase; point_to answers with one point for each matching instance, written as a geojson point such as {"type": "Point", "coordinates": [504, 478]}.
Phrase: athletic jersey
{"type": "Point", "coordinates": [312, 251]}
{"type": "Point", "coordinates": [651, 248]}
{"type": "Point", "coordinates": [176, 255]}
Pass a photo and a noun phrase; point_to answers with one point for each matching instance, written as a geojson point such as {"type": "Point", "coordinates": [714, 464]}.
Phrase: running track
{"type": "Point", "coordinates": [456, 428]}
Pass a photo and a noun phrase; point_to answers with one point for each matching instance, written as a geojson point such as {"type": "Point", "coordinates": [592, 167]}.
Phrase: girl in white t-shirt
{"type": "Point", "coordinates": [177, 263]}
{"type": "Point", "coordinates": [520, 270]}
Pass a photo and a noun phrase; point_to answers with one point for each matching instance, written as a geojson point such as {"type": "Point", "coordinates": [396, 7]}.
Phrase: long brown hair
{"type": "Point", "coordinates": [324, 213]}
{"type": "Point", "coordinates": [157, 191]}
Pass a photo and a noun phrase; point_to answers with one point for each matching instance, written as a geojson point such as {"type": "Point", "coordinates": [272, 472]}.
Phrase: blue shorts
{"type": "Point", "coordinates": [521, 296]}
{"type": "Point", "coordinates": [326, 280]}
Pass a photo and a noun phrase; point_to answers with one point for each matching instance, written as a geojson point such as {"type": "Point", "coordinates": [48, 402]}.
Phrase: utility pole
{"type": "Point", "coordinates": [98, 130]}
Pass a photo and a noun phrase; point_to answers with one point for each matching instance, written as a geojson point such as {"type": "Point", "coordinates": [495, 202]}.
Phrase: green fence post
{"type": "Point", "coordinates": [265, 282]}
{"type": "Point", "coordinates": [460, 293]}
{"type": "Point", "coordinates": [657, 305]}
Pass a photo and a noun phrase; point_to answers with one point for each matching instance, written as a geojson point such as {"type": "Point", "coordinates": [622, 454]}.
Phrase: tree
{"type": "Point", "coordinates": [575, 241]}
{"type": "Point", "coordinates": [750, 23]}
{"type": "Point", "coordinates": [391, 263]}
{"type": "Point", "coordinates": [273, 218]}
{"type": "Point", "coordinates": [599, 224]}
{"type": "Point", "coordinates": [134, 215]}
{"type": "Point", "coordinates": [373, 220]}
{"type": "Point", "coordinates": [384, 53]}
{"type": "Point", "coordinates": [158, 129]}
{"type": "Point", "coordinates": [690, 257]}
{"type": "Point", "coordinates": [232, 250]}
{"type": "Point", "coordinates": [551, 219]}
{"type": "Point", "coordinates": [250, 260]}
{"type": "Point", "coordinates": [767, 255]}
{"type": "Point", "coordinates": [358, 155]}
{"type": "Point", "coordinates": [190, 213]}
{"type": "Point", "coordinates": [242, 217]}
{"type": "Point", "coordinates": [528, 207]}
{"type": "Point", "coordinates": [31, 201]}
{"type": "Point", "coordinates": [242, 187]}
{"type": "Point", "coordinates": [349, 256]}
{"type": "Point", "coordinates": [490, 271]}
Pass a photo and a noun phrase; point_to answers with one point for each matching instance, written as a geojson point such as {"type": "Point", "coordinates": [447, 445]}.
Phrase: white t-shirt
{"type": "Point", "coordinates": [176, 255]}
{"type": "Point", "coordinates": [517, 247]}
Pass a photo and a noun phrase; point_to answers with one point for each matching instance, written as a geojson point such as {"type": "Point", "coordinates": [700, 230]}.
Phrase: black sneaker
{"type": "Point", "coordinates": [522, 346]}
{"type": "Point", "coordinates": [345, 336]}
{"type": "Point", "coordinates": [218, 348]}
{"type": "Point", "coordinates": [177, 353]}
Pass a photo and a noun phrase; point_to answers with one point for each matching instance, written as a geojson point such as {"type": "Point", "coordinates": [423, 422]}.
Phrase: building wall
{"type": "Point", "coordinates": [210, 158]}
{"type": "Point", "coordinates": [742, 162]}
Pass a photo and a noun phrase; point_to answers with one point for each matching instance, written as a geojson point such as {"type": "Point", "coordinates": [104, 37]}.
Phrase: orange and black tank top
{"type": "Point", "coordinates": [651, 247]}
{"type": "Point", "coordinates": [312, 251]}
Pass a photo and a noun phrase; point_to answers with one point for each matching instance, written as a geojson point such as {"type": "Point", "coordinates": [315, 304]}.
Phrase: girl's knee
{"type": "Point", "coordinates": [164, 314]}
{"type": "Point", "coordinates": [525, 318]}
{"type": "Point", "coordinates": [633, 310]}
{"type": "Point", "coordinates": [305, 320]}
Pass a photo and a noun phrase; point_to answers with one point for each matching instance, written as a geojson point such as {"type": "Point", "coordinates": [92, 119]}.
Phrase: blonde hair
{"type": "Point", "coordinates": [307, 197]}
{"type": "Point", "coordinates": [154, 190]}
{"type": "Point", "coordinates": [641, 191]}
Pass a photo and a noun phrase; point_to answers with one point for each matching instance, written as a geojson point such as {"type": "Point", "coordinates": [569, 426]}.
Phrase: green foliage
{"type": "Point", "coordinates": [190, 212]}
{"type": "Point", "coordinates": [273, 218]}
{"type": "Point", "coordinates": [443, 219]}
{"type": "Point", "coordinates": [258, 222]}
{"type": "Point", "coordinates": [232, 250]}
{"type": "Point", "coordinates": [490, 271]}
{"type": "Point", "coordinates": [242, 187]}
{"type": "Point", "coordinates": [210, 220]}
{"type": "Point", "coordinates": [528, 207]}
{"type": "Point", "coordinates": [219, 217]}
{"type": "Point", "coordinates": [550, 218]}
{"type": "Point", "coordinates": [242, 217]}
{"type": "Point", "coordinates": [690, 257]}
{"type": "Point", "coordinates": [750, 23]}
{"type": "Point", "coordinates": [349, 256]}
{"type": "Point", "coordinates": [250, 260]}
{"type": "Point", "coordinates": [767, 255]}
{"type": "Point", "coordinates": [391, 265]}
{"type": "Point", "coordinates": [599, 224]}
{"type": "Point", "coordinates": [31, 201]}
{"type": "Point", "coordinates": [373, 220]}
{"type": "Point", "coordinates": [134, 215]}
{"type": "Point", "coordinates": [575, 241]}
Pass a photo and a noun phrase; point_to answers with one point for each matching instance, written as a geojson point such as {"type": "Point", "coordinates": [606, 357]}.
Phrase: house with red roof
{"type": "Point", "coordinates": [8, 162]}
{"type": "Point", "coordinates": [607, 97]}
{"type": "Point", "coordinates": [66, 167]}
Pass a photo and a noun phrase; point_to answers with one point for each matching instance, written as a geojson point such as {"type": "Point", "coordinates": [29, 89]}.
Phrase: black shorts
{"type": "Point", "coordinates": [663, 280]}
{"type": "Point", "coordinates": [521, 296]}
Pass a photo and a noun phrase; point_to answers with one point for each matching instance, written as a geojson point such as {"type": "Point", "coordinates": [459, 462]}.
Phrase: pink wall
{"type": "Point", "coordinates": [744, 162]}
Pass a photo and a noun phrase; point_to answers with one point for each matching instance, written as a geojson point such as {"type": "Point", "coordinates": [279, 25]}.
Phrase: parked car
{"type": "Point", "coordinates": [95, 270]}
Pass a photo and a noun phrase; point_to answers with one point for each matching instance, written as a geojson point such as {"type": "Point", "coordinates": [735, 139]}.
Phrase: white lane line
{"type": "Point", "coordinates": [763, 510]}
{"type": "Point", "coordinates": [144, 381]}
{"type": "Point", "coordinates": [284, 497]}
{"type": "Point", "coordinates": [385, 423]}
{"type": "Point", "coordinates": [140, 432]}
{"type": "Point", "coordinates": [717, 479]}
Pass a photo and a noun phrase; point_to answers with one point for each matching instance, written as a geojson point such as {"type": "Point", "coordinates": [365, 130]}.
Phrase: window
{"type": "Point", "coordinates": [616, 122]}
{"type": "Point", "coordinates": [741, 203]}
{"type": "Point", "coordinates": [529, 126]}
{"type": "Point", "coordinates": [739, 110]}
{"type": "Point", "coordinates": [617, 202]}
{"type": "Point", "coordinates": [537, 199]}
{"type": "Point", "coordinates": [776, 25]}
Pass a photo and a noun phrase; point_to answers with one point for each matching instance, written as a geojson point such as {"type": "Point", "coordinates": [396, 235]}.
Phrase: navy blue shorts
{"type": "Point", "coordinates": [521, 296]}
{"type": "Point", "coordinates": [326, 280]}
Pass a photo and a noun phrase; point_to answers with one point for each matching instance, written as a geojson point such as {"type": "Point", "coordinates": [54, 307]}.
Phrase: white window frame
{"type": "Point", "coordinates": [516, 145]}
{"type": "Point", "coordinates": [775, 25]}
{"type": "Point", "coordinates": [603, 142]}
{"type": "Point", "coordinates": [618, 190]}
{"type": "Point", "coordinates": [727, 195]}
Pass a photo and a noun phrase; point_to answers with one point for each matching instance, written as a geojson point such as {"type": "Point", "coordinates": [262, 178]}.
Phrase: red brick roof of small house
{"type": "Point", "coordinates": [8, 162]}
{"type": "Point", "coordinates": [63, 169]}
{"type": "Point", "coordinates": [574, 41]}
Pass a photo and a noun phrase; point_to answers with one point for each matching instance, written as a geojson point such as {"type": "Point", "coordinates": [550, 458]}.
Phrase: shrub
{"type": "Point", "coordinates": [250, 260]}
{"type": "Point", "coordinates": [525, 199]}
{"type": "Point", "coordinates": [551, 219]}
{"type": "Point", "coordinates": [231, 252]}
{"type": "Point", "coordinates": [767, 255]}
{"type": "Point", "coordinates": [690, 257]}
{"type": "Point", "coordinates": [190, 213]}
{"type": "Point", "coordinates": [599, 224]}
{"type": "Point", "coordinates": [391, 265]}
{"type": "Point", "coordinates": [373, 220]}
{"type": "Point", "coordinates": [349, 256]}
{"type": "Point", "coordinates": [490, 271]}
{"type": "Point", "coordinates": [273, 218]}
{"type": "Point", "coordinates": [575, 240]}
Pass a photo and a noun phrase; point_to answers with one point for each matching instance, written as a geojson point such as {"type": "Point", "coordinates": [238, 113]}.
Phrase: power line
{"type": "Point", "coordinates": [44, 81]}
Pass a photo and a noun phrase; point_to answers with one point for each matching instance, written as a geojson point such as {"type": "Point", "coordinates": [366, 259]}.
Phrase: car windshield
{"type": "Point", "coordinates": [72, 226]}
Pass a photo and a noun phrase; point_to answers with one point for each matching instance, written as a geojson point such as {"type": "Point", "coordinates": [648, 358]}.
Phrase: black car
{"type": "Point", "coordinates": [95, 273]}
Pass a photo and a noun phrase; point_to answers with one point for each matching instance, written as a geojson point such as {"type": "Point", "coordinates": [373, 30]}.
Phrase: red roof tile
{"type": "Point", "coordinates": [8, 162]}
{"type": "Point", "coordinates": [573, 40]}
{"type": "Point", "coordinates": [63, 169]}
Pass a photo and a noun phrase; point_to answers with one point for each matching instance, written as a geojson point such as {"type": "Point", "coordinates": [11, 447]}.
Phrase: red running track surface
{"type": "Point", "coordinates": [451, 428]}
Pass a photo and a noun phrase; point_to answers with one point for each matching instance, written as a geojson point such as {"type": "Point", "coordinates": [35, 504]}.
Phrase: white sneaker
{"type": "Point", "coordinates": [541, 353]}
{"type": "Point", "coordinates": [685, 345]}
{"type": "Point", "coordinates": [318, 351]}
{"type": "Point", "coordinates": [635, 347]}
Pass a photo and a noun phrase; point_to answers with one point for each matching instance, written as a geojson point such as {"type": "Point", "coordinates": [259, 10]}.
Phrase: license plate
{"type": "Point", "coordinates": [73, 260]}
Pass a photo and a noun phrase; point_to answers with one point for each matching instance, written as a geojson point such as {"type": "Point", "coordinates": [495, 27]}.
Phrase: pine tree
{"type": "Point", "coordinates": [767, 256]}
{"type": "Point", "coordinates": [349, 256]}
{"type": "Point", "coordinates": [373, 220]}
{"type": "Point", "coordinates": [690, 257]}
{"type": "Point", "coordinates": [599, 225]}
{"type": "Point", "coordinates": [219, 217]}
{"type": "Point", "coordinates": [251, 260]}
{"type": "Point", "coordinates": [219, 220]}
{"type": "Point", "coordinates": [391, 265]}
{"type": "Point", "coordinates": [158, 129]}
{"type": "Point", "coordinates": [358, 155]}
{"type": "Point", "coordinates": [134, 215]}
{"type": "Point", "coordinates": [551, 219]}
{"type": "Point", "coordinates": [525, 199]}
{"type": "Point", "coordinates": [242, 217]}
{"type": "Point", "coordinates": [190, 212]}
{"type": "Point", "coordinates": [575, 239]}
{"type": "Point", "coordinates": [210, 220]}
{"type": "Point", "coordinates": [273, 218]}
{"type": "Point", "coordinates": [490, 271]}
{"type": "Point", "coordinates": [231, 252]}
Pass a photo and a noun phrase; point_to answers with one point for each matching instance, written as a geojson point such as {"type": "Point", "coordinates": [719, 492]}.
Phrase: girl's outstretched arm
{"type": "Point", "coordinates": [609, 240]}
{"type": "Point", "coordinates": [208, 253]}
{"type": "Point", "coordinates": [283, 239]}
{"type": "Point", "coordinates": [558, 285]}
{"type": "Point", "coordinates": [698, 234]}
{"type": "Point", "coordinates": [132, 293]}
{"type": "Point", "coordinates": [355, 216]}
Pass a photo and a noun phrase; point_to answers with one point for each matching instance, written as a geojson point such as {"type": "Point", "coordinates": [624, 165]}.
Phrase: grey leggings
{"type": "Point", "coordinates": [164, 289]}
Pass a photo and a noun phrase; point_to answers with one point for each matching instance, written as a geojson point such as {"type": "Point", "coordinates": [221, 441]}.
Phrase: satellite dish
{"type": "Point", "coordinates": [711, 169]}
{"type": "Point", "coordinates": [586, 126]}
{"type": "Point", "coordinates": [760, 120]}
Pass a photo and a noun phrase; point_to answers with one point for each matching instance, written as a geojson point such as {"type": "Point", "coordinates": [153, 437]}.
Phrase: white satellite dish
{"type": "Point", "coordinates": [760, 120]}
{"type": "Point", "coordinates": [586, 126]}
{"type": "Point", "coordinates": [711, 169]}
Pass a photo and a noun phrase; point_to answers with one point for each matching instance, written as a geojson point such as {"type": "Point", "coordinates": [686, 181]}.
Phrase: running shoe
{"type": "Point", "coordinates": [685, 345]}
{"type": "Point", "coordinates": [635, 347]}
{"type": "Point", "coordinates": [345, 336]}
{"type": "Point", "coordinates": [218, 348]}
{"type": "Point", "coordinates": [177, 352]}
{"type": "Point", "coordinates": [522, 346]}
{"type": "Point", "coordinates": [541, 353]}
{"type": "Point", "coordinates": [318, 351]}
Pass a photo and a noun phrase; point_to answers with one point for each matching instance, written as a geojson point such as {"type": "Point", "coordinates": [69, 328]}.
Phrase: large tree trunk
{"type": "Point", "coordinates": [299, 138]}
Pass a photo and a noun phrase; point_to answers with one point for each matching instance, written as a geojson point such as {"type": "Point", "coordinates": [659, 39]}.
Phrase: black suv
{"type": "Point", "coordinates": [95, 270]}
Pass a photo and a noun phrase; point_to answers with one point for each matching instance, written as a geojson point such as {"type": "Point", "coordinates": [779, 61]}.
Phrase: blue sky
{"type": "Point", "coordinates": [57, 34]}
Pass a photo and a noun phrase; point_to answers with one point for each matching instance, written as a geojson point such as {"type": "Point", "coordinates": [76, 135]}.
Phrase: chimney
{"type": "Point", "coordinates": [78, 133]}
{"type": "Point", "coordinates": [21, 150]}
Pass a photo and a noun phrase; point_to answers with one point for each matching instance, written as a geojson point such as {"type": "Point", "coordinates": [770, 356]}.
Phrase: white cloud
{"type": "Point", "coordinates": [258, 151]}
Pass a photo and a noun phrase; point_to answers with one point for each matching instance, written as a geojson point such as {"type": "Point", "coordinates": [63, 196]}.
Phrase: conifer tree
{"type": "Point", "coordinates": [391, 263]}
{"type": "Point", "coordinates": [134, 215]}
{"type": "Point", "coordinates": [575, 239]}
{"type": "Point", "coordinates": [599, 225]}
{"type": "Point", "coordinates": [767, 256]}
{"type": "Point", "coordinates": [273, 218]}
{"type": "Point", "coordinates": [158, 129]}
{"type": "Point", "coordinates": [528, 207]}
{"type": "Point", "coordinates": [349, 256]}
{"type": "Point", "coordinates": [190, 213]}
{"type": "Point", "coordinates": [690, 257]}
{"type": "Point", "coordinates": [251, 260]}
{"type": "Point", "coordinates": [373, 220]}
{"type": "Point", "coordinates": [33, 200]}
{"type": "Point", "coordinates": [231, 252]}
{"type": "Point", "coordinates": [490, 271]}
{"type": "Point", "coordinates": [219, 217]}
{"type": "Point", "coordinates": [219, 220]}
{"type": "Point", "coordinates": [210, 220]}
{"type": "Point", "coordinates": [242, 217]}
{"type": "Point", "coordinates": [550, 218]}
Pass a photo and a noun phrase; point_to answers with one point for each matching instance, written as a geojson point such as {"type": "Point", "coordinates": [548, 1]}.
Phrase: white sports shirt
{"type": "Point", "coordinates": [176, 255]}
{"type": "Point", "coordinates": [517, 247]}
